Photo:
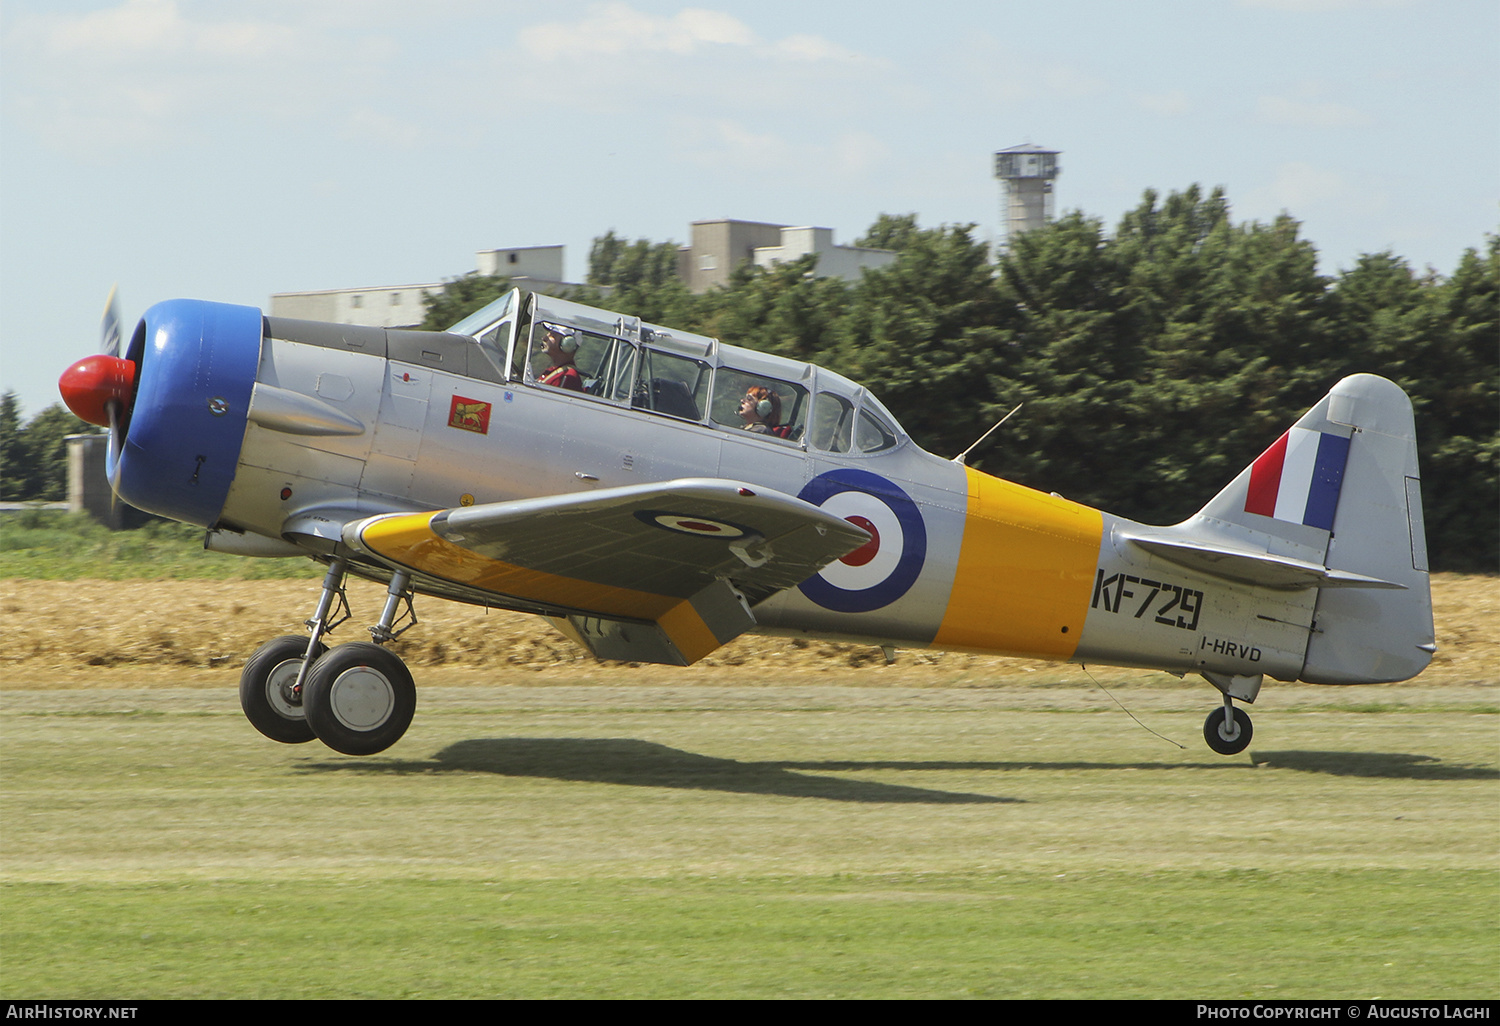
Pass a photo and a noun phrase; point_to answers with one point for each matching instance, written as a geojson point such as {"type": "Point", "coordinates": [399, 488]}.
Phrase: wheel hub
{"type": "Point", "coordinates": [282, 692]}
{"type": "Point", "coordinates": [362, 698]}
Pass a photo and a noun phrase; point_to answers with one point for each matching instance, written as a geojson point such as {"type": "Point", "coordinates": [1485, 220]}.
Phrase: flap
{"type": "Point", "coordinates": [634, 553]}
{"type": "Point", "coordinates": [686, 633]}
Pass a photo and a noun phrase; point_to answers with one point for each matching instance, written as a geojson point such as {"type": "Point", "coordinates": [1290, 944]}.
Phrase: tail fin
{"type": "Point", "coordinates": [1335, 503]}
{"type": "Point", "coordinates": [1362, 636]}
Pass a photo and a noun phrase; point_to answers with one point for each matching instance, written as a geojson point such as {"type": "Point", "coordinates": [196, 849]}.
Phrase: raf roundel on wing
{"type": "Point", "coordinates": [882, 570]}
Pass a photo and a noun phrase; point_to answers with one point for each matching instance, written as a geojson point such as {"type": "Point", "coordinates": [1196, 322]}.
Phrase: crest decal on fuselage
{"type": "Point", "coordinates": [469, 415]}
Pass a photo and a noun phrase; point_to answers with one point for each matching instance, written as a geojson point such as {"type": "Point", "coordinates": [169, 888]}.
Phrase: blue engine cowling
{"type": "Point", "coordinates": [196, 365]}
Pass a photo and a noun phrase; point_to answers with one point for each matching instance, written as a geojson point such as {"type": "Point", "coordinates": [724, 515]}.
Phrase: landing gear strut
{"type": "Point", "coordinates": [357, 699]}
{"type": "Point", "coordinates": [1227, 729]}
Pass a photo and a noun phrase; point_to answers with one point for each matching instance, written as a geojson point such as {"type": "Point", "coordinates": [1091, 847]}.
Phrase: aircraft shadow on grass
{"type": "Point", "coordinates": [1394, 765]}
{"type": "Point", "coordinates": [647, 764]}
{"type": "Point", "coordinates": [636, 763]}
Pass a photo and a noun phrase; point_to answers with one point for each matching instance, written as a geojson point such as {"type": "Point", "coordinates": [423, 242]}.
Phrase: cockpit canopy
{"type": "Point", "coordinates": [672, 373]}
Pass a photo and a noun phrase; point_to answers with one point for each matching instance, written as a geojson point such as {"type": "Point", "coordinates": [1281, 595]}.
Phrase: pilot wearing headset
{"type": "Point", "coordinates": [560, 345]}
{"type": "Point", "coordinates": [761, 411]}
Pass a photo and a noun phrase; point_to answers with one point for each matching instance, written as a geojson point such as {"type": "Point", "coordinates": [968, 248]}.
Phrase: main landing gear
{"type": "Point", "coordinates": [357, 699]}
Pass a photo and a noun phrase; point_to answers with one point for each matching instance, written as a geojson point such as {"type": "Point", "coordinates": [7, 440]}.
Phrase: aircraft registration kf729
{"type": "Point", "coordinates": [656, 493]}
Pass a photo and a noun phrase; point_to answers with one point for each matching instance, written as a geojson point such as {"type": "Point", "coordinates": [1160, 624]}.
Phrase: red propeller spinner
{"type": "Point", "coordinates": [91, 385]}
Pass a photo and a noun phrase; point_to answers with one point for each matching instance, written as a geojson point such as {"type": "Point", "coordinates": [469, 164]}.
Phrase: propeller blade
{"type": "Point", "coordinates": [116, 443]}
{"type": "Point", "coordinates": [116, 437]}
{"type": "Point", "coordinates": [109, 330]}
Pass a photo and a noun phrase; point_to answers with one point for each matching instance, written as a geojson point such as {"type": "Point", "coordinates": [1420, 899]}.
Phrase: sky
{"type": "Point", "coordinates": [227, 150]}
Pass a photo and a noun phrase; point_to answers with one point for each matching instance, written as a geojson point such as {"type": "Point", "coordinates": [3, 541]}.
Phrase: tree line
{"type": "Point", "coordinates": [34, 455]}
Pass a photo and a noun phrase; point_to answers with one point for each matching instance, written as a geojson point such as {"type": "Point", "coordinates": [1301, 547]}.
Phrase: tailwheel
{"type": "Point", "coordinates": [359, 699]}
{"type": "Point", "coordinates": [1226, 736]}
{"type": "Point", "coordinates": [269, 693]}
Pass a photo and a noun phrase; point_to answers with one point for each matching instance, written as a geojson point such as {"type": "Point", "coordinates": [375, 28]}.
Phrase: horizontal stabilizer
{"type": "Point", "coordinates": [1259, 568]}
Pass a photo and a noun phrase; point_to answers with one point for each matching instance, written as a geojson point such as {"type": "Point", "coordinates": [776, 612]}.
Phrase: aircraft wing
{"type": "Point", "coordinates": [662, 572]}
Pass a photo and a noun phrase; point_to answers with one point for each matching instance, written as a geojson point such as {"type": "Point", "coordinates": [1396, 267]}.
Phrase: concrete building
{"type": "Point", "coordinates": [1026, 174]}
{"type": "Point", "coordinates": [376, 306]}
{"type": "Point", "coordinates": [400, 306]}
{"type": "Point", "coordinates": [88, 481]}
{"type": "Point", "coordinates": [719, 246]}
{"type": "Point", "coordinates": [846, 262]}
{"type": "Point", "coordinates": [540, 263]}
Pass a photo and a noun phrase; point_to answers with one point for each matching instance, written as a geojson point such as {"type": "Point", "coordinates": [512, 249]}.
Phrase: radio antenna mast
{"type": "Point", "coordinates": [959, 459]}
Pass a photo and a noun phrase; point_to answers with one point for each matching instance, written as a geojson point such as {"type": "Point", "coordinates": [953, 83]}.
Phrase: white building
{"type": "Point", "coordinates": [718, 247]}
{"type": "Point", "coordinates": [400, 306]}
{"type": "Point", "coordinates": [383, 306]}
{"type": "Point", "coordinates": [721, 245]}
{"type": "Point", "coordinates": [536, 263]}
{"type": "Point", "coordinates": [846, 262]}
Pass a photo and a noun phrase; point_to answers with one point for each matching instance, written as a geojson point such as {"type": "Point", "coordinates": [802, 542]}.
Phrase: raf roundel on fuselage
{"type": "Point", "coordinates": [881, 571]}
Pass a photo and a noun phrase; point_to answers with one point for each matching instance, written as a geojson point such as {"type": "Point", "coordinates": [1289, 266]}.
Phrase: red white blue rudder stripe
{"type": "Point", "coordinates": [1299, 478]}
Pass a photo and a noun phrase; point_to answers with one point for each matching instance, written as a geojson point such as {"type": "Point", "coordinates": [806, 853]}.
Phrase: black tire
{"type": "Point", "coordinates": [263, 685]}
{"type": "Point", "coordinates": [359, 699]}
{"type": "Point", "coordinates": [1214, 732]}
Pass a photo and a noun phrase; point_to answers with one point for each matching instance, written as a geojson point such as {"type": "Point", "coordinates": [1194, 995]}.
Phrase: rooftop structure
{"type": "Point", "coordinates": [846, 262]}
{"type": "Point", "coordinates": [400, 306]}
{"type": "Point", "coordinates": [719, 246]}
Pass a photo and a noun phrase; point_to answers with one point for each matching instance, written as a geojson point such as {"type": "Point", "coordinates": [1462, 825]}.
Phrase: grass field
{"type": "Point", "coordinates": [801, 840]}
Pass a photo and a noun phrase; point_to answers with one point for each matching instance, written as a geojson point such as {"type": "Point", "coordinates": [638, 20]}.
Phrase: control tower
{"type": "Point", "coordinates": [1027, 173]}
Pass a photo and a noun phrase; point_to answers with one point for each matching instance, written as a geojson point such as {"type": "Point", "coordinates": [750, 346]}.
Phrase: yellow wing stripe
{"type": "Point", "coordinates": [410, 541]}
{"type": "Point", "coordinates": [1025, 572]}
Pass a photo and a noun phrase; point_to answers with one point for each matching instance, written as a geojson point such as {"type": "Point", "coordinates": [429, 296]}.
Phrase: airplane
{"type": "Point", "coordinates": [656, 493]}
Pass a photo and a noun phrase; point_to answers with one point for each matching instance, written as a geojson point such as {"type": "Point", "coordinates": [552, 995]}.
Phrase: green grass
{"type": "Point", "coordinates": [54, 545]}
{"type": "Point", "coordinates": [604, 841]}
{"type": "Point", "coordinates": [1329, 934]}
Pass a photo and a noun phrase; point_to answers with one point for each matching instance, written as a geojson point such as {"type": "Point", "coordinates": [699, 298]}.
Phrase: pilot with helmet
{"type": "Point", "coordinates": [760, 409]}
{"type": "Point", "coordinates": [560, 344]}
